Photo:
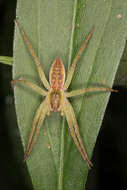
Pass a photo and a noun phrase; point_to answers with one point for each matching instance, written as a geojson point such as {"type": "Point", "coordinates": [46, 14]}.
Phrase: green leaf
{"type": "Point", "coordinates": [6, 60]}
{"type": "Point", "coordinates": [57, 28]}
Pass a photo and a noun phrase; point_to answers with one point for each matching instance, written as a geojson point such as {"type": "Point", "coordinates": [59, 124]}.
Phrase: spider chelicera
{"type": "Point", "coordinates": [56, 96]}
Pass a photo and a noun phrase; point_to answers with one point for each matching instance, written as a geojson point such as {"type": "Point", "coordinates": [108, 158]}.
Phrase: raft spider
{"type": "Point", "coordinates": [56, 96]}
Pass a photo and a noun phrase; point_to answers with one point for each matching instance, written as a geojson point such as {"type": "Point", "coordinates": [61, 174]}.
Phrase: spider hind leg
{"type": "Point", "coordinates": [72, 68]}
{"type": "Point", "coordinates": [32, 52]}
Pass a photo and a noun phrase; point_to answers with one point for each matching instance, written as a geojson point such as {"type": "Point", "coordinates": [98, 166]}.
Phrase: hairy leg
{"type": "Point", "coordinates": [37, 62]}
{"type": "Point", "coordinates": [31, 85]}
{"type": "Point", "coordinates": [39, 117]}
{"type": "Point", "coordinates": [72, 131]}
{"type": "Point", "coordinates": [36, 117]}
{"type": "Point", "coordinates": [72, 69]}
{"type": "Point", "coordinates": [77, 134]}
{"type": "Point", "coordinates": [82, 91]}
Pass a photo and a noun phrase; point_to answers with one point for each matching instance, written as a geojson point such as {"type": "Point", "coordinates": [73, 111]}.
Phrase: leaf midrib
{"type": "Point", "coordinates": [60, 175]}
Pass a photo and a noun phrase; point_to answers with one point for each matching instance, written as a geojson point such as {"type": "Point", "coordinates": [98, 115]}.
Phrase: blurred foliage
{"type": "Point", "coordinates": [121, 76]}
{"type": "Point", "coordinates": [13, 169]}
{"type": "Point", "coordinates": [6, 60]}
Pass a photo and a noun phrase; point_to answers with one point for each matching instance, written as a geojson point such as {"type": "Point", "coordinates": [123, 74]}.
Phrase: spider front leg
{"type": "Point", "coordinates": [36, 117]}
{"type": "Point", "coordinates": [31, 50]}
{"type": "Point", "coordinates": [39, 117]}
{"type": "Point", "coordinates": [72, 69]}
{"type": "Point", "coordinates": [73, 126]}
{"type": "Point", "coordinates": [82, 91]}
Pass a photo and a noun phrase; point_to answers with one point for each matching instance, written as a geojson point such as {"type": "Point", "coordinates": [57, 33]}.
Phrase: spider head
{"type": "Point", "coordinates": [55, 100]}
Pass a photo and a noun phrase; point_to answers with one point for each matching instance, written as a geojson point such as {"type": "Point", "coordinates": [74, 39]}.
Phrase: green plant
{"type": "Point", "coordinates": [57, 28]}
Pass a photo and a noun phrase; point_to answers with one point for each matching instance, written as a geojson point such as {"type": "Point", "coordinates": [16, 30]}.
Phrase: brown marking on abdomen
{"type": "Point", "coordinates": [57, 74]}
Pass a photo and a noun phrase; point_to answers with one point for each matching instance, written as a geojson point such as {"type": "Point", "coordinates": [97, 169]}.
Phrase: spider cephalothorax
{"type": "Point", "coordinates": [55, 100]}
{"type": "Point", "coordinates": [56, 96]}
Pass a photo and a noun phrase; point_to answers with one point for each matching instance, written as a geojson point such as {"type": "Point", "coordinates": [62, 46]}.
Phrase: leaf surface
{"type": "Point", "coordinates": [57, 28]}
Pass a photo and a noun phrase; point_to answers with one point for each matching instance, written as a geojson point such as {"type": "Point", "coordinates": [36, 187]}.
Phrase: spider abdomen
{"type": "Point", "coordinates": [57, 75]}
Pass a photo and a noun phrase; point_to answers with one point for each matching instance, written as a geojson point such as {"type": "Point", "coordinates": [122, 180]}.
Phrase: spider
{"type": "Point", "coordinates": [56, 96]}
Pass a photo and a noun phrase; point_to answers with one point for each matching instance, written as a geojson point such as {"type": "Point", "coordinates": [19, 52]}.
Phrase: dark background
{"type": "Point", "coordinates": [110, 153]}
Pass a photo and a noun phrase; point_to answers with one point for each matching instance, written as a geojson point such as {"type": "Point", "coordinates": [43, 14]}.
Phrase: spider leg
{"type": "Point", "coordinates": [76, 128]}
{"type": "Point", "coordinates": [36, 117]}
{"type": "Point", "coordinates": [70, 124]}
{"type": "Point", "coordinates": [82, 91]}
{"type": "Point", "coordinates": [72, 69]}
{"type": "Point", "coordinates": [70, 116]}
{"type": "Point", "coordinates": [31, 85]}
{"type": "Point", "coordinates": [37, 62]}
{"type": "Point", "coordinates": [39, 117]}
